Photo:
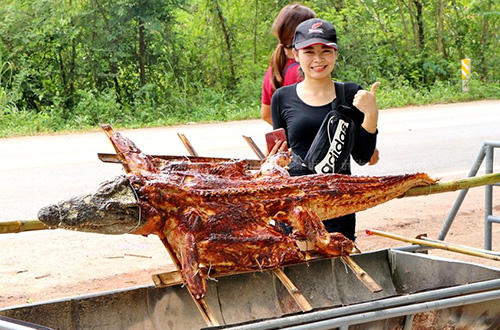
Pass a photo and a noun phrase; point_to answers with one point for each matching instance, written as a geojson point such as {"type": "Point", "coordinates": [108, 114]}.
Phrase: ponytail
{"type": "Point", "coordinates": [277, 63]}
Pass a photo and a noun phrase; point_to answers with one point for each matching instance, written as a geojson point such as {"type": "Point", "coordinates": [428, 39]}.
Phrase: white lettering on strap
{"type": "Point", "coordinates": [327, 165]}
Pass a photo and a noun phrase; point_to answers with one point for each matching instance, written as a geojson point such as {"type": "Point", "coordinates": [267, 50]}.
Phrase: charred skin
{"type": "Point", "coordinates": [223, 217]}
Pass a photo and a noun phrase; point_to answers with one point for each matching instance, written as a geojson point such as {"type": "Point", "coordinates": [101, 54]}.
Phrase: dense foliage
{"type": "Point", "coordinates": [74, 63]}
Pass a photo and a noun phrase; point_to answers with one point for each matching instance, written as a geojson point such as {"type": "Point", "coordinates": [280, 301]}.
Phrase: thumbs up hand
{"type": "Point", "coordinates": [365, 101]}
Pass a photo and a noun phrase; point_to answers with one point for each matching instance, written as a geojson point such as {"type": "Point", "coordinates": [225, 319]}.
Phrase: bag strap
{"type": "Point", "coordinates": [340, 92]}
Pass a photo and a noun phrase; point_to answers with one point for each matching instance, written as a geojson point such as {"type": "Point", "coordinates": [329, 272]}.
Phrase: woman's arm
{"type": "Point", "coordinates": [366, 103]}
{"type": "Point", "coordinates": [365, 146]}
{"type": "Point", "coordinates": [265, 113]}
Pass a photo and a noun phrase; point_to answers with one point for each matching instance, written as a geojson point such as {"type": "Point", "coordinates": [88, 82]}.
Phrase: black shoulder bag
{"type": "Point", "coordinates": [331, 149]}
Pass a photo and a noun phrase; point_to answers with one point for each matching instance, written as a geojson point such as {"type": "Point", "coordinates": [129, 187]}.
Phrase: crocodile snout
{"type": "Point", "coordinates": [49, 215]}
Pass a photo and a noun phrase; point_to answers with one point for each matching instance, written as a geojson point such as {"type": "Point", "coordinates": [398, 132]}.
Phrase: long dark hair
{"type": "Point", "coordinates": [283, 28]}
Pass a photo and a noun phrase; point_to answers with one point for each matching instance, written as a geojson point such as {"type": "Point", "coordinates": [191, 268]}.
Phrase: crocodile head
{"type": "Point", "coordinates": [112, 209]}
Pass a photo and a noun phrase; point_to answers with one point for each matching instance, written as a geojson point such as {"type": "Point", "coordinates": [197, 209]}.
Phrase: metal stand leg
{"type": "Point", "coordinates": [461, 196]}
{"type": "Point", "coordinates": [488, 200]}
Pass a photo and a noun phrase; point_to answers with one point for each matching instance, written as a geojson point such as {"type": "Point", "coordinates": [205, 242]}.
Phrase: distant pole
{"type": "Point", "coordinates": [465, 74]}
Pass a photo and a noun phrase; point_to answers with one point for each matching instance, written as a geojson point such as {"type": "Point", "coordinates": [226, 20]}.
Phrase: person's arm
{"type": "Point", "coordinates": [374, 158]}
{"type": "Point", "coordinates": [267, 92]}
{"type": "Point", "coordinates": [365, 101]}
{"type": "Point", "coordinates": [364, 150]}
{"type": "Point", "coordinates": [265, 113]}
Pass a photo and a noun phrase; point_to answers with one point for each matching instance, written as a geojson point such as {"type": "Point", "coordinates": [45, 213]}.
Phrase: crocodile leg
{"type": "Point", "coordinates": [308, 224]}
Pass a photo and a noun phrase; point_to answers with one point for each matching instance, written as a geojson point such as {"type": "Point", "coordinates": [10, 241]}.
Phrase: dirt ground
{"type": "Point", "coordinates": [31, 270]}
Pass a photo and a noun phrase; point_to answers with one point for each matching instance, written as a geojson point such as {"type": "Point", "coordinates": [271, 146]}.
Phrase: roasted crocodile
{"type": "Point", "coordinates": [221, 216]}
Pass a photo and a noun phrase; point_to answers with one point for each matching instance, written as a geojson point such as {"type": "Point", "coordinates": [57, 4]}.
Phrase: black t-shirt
{"type": "Point", "coordinates": [301, 123]}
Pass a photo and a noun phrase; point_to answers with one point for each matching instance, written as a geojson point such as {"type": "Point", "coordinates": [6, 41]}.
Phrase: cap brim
{"type": "Point", "coordinates": [315, 41]}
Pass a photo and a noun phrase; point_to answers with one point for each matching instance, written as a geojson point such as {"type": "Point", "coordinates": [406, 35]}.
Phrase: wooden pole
{"type": "Point", "coordinates": [187, 144]}
{"type": "Point", "coordinates": [427, 239]}
{"type": "Point", "coordinates": [201, 304]}
{"type": "Point", "coordinates": [296, 294]}
{"type": "Point", "coordinates": [442, 187]}
{"type": "Point", "coordinates": [442, 246]}
{"type": "Point", "coordinates": [17, 226]}
{"type": "Point", "coordinates": [363, 276]}
{"type": "Point", "coordinates": [254, 147]}
{"type": "Point", "coordinates": [253, 164]}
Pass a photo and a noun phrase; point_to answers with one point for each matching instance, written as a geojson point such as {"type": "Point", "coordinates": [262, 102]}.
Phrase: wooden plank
{"type": "Point", "coordinates": [253, 164]}
{"type": "Point", "coordinates": [167, 279]}
{"type": "Point", "coordinates": [174, 277]}
{"type": "Point", "coordinates": [360, 273]}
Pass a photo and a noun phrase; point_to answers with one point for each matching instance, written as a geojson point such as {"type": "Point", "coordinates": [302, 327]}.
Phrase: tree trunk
{"type": "Point", "coordinates": [405, 25]}
{"type": "Point", "coordinates": [255, 21]}
{"type": "Point", "coordinates": [62, 68]}
{"type": "Point", "coordinates": [440, 43]}
{"type": "Point", "coordinates": [420, 21]}
{"type": "Point", "coordinates": [339, 5]}
{"type": "Point", "coordinates": [483, 60]}
{"type": "Point", "coordinates": [71, 78]}
{"type": "Point", "coordinates": [112, 64]}
{"type": "Point", "coordinates": [375, 16]}
{"type": "Point", "coordinates": [142, 52]}
{"type": "Point", "coordinates": [227, 39]}
{"type": "Point", "coordinates": [413, 20]}
{"type": "Point", "coordinates": [460, 37]}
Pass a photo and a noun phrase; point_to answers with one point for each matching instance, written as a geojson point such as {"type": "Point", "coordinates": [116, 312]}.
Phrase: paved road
{"type": "Point", "coordinates": [442, 140]}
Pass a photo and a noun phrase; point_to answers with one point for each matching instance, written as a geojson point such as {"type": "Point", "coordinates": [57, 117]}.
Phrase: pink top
{"type": "Point", "coordinates": [291, 77]}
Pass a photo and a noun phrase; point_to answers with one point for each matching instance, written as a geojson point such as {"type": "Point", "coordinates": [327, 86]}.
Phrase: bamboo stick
{"type": "Point", "coordinates": [254, 147]}
{"type": "Point", "coordinates": [442, 187]}
{"type": "Point", "coordinates": [201, 304]}
{"type": "Point", "coordinates": [442, 246]}
{"type": "Point", "coordinates": [17, 226]}
{"type": "Point", "coordinates": [187, 144]}
{"type": "Point", "coordinates": [460, 246]}
{"type": "Point", "coordinates": [296, 294]}
{"type": "Point", "coordinates": [363, 276]}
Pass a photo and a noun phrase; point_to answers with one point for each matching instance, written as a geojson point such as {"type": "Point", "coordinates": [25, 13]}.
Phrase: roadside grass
{"type": "Point", "coordinates": [201, 105]}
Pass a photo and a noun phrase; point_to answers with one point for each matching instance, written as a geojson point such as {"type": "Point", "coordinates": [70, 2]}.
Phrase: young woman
{"type": "Point", "coordinates": [282, 70]}
{"type": "Point", "coordinates": [300, 108]}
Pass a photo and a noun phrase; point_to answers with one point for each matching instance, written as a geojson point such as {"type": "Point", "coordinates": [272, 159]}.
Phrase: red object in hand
{"type": "Point", "coordinates": [274, 137]}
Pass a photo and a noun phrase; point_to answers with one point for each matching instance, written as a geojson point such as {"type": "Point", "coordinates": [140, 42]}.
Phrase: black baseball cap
{"type": "Point", "coordinates": [315, 31]}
